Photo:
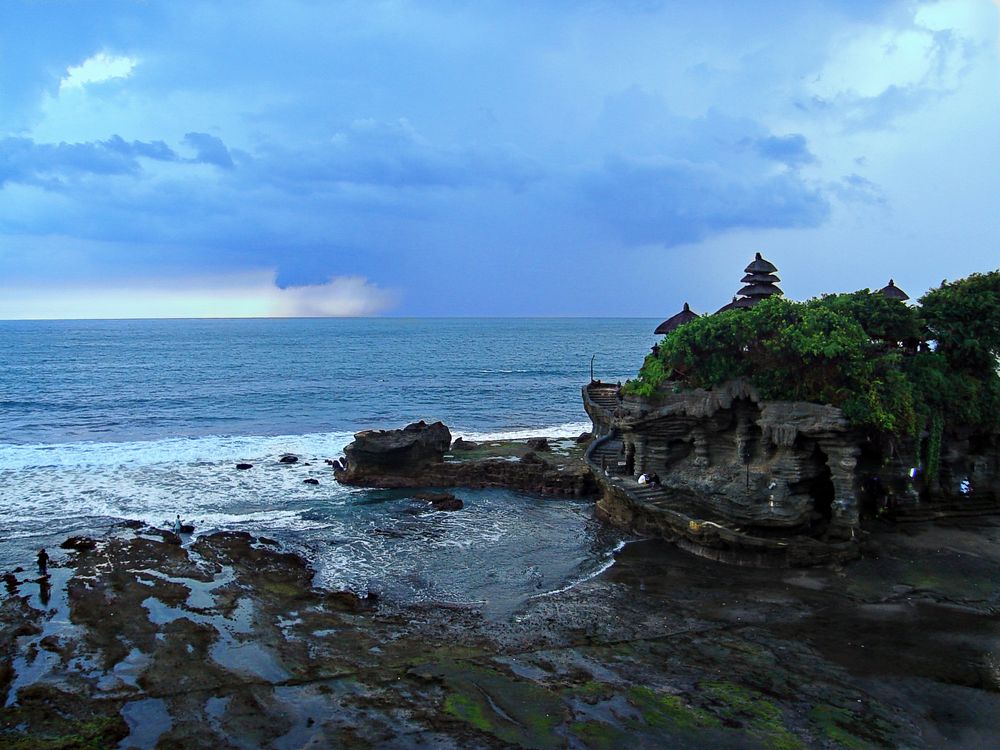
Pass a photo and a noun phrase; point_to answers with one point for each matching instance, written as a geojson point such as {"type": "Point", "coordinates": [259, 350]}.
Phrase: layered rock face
{"type": "Point", "coordinates": [791, 465]}
{"type": "Point", "coordinates": [757, 463]}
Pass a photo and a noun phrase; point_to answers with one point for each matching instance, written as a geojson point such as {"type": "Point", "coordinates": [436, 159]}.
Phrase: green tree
{"type": "Point", "coordinates": [856, 351]}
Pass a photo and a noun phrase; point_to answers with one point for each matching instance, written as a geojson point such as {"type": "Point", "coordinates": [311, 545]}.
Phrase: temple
{"type": "Point", "coordinates": [747, 480]}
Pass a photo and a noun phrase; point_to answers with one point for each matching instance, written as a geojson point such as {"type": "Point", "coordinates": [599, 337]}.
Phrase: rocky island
{"type": "Point", "coordinates": [773, 427]}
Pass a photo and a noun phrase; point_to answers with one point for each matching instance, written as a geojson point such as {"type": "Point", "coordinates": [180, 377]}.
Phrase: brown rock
{"type": "Point", "coordinates": [443, 501]}
{"type": "Point", "coordinates": [539, 444]}
{"type": "Point", "coordinates": [398, 452]}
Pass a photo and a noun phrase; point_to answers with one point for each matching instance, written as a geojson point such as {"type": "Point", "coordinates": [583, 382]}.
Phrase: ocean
{"type": "Point", "coordinates": [102, 421]}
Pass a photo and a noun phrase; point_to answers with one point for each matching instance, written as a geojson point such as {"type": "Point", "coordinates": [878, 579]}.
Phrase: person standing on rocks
{"type": "Point", "coordinates": [43, 562]}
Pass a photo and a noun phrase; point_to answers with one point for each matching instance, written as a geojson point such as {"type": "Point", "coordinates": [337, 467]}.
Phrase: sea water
{"type": "Point", "coordinates": [102, 421]}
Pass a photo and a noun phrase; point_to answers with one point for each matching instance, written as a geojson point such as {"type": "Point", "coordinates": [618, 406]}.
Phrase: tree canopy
{"type": "Point", "coordinates": [888, 365]}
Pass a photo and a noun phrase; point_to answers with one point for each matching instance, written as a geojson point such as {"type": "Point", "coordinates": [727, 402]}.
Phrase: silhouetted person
{"type": "Point", "coordinates": [43, 562]}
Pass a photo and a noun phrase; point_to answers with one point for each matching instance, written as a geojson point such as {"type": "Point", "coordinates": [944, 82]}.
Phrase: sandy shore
{"type": "Point", "coordinates": [223, 642]}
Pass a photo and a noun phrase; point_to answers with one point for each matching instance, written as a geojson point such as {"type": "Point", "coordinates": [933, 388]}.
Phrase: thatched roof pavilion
{"type": "Point", "coordinates": [684, 316]}
{"type": "Point", "coordinates": [892, 291]}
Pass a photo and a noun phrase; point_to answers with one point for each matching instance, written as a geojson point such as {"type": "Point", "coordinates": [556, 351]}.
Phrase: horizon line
{"type": "Point", "coordinates": [341, 317]}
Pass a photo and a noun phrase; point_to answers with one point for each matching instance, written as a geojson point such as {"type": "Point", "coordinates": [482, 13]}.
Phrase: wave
{"type": "Point", "coordinates": [606, 564]}
{"type": "Point", "coordinates": [216, 449]}
{"type": "Point", "coordinates": [211, 449]}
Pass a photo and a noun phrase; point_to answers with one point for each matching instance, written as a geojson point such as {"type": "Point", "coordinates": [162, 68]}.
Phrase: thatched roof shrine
{"type": "Point", "coordinates": [892, 291]}
{"type": "Point", "coordinates": [684, 316]}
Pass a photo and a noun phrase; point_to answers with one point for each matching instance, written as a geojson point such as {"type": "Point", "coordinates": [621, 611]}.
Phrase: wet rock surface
{"type": "Point", "coordinates": [444, 501]}
{"type": "Point", "coordinates": [388, 459]}
{"type": "Point", "coordinates": [223, 642]}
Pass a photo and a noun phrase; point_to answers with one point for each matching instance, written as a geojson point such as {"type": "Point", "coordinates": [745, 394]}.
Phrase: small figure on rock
{"type": "Point", "coordinates": [177, 524]}
{"type": "Point", "coordinates": [10, 581]}
{"type": "Point", "coordinates": [654, 479]}
{"type": "Point", "coordinates": [43, 562]}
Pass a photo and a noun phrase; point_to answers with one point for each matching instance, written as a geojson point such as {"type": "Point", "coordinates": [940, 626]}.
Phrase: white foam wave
{"type": "Point", "coordinates": [565, 430]}
{"type": "Point", "coordinates": [207, 449]}
{"type": "Point", "coordinates": [607, 564]}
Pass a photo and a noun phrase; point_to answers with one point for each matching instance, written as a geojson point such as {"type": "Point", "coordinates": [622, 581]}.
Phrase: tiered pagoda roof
{"type": "Point", "coordinates": [761, 280]}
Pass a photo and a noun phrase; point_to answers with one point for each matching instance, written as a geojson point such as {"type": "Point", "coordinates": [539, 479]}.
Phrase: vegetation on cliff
{"type": "Point", "coordinates": [888, 365]}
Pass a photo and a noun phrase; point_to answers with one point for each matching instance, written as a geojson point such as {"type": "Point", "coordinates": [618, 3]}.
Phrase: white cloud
{"type": "Point", "coordinates": [96, 69]}
{"type": "Point", "coordinates": [251, 294]}
{"type": "Point", "coordinates": [341, 296]}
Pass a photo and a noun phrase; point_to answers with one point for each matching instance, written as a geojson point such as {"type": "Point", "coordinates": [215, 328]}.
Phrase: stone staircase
{"type": "Point", "coordinates": [605, 396]}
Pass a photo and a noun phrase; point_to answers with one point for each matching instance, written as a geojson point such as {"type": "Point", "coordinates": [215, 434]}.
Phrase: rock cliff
{"type": "Point", "coordinates": [785, 466]}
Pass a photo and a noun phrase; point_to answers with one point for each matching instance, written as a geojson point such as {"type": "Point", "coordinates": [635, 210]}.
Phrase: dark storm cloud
{"type": "Point", "coordinates": [673, 203]}
{"type": "Point", "coordinates": [24, 160]}
{"type": "Point", "coordinates": [792, 150]}
{"type": "Point", "coordinates": [209, 149]}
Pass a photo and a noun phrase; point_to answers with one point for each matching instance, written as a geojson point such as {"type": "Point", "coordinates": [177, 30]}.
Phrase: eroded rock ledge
{"type": "Point", "coordinates": [781, 467]}
{"type": "Point", "coordinates": [417, 456]}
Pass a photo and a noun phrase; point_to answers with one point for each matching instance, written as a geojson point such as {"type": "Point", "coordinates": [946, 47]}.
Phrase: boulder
{"type": "Point", "coordinates": [584, 437]}
{"type": "Point", "coordinates": [443, 501]}
{"type": "Point", "coordinates": [399, 452]}
{"type": "Point", "coordinates": [244, 467]}
{"type": "Point", "coordinates": [310, 481]}
{"type": "Point", "coordinates": [539, 444]}
{"type": "Point", "coordinates": [289, 458]}
{"type": "Point", "coordinates": [79, 543]}
{"type": "Point", "coordinates": [464, 445]}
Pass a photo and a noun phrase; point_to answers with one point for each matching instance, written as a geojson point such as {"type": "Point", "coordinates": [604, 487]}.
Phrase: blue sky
{"type": "Point", "coordinates": [569, 157]}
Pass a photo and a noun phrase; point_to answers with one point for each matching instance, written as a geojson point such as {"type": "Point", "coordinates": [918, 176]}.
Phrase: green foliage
{"type": "Point", "coordinates": [856, 351]}
{"type": "Point", "coordinates": [963, 317]}
{"type": "Point", "coordinates": [932, 460]}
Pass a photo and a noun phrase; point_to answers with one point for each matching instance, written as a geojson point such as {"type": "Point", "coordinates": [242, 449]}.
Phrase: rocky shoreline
{"type": "Point", "coordinates": [222, 641]}
{"type": "Point", "coordinates": [148, 639]}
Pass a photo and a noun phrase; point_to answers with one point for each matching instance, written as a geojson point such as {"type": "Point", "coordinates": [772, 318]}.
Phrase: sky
{"type": "Point", "coordinates": [489, 158]}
